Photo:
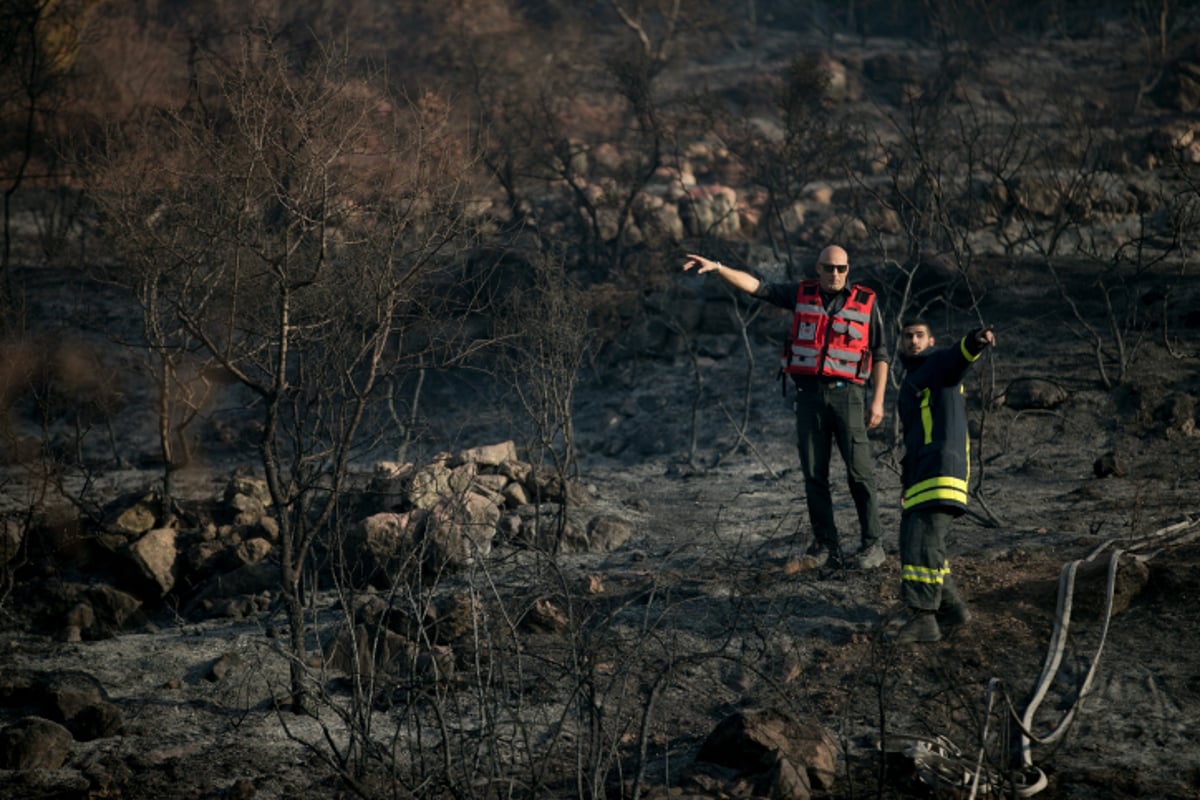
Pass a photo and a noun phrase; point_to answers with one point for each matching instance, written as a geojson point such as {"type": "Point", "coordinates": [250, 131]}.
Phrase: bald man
{"type": "Point", "coordinates": [835, 349]}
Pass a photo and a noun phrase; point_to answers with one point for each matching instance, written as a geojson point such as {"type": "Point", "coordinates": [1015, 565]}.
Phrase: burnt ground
{"type": "Point", "coordinates": [716, 558]}
{"type": "Point", "coordinates": [711, 592]}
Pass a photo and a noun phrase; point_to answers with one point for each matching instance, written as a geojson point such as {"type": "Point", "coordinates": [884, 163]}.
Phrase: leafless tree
{"type": "Point", "coordinates": [304, 228]}
{"type": "Point", "coordinates": [544, 333]}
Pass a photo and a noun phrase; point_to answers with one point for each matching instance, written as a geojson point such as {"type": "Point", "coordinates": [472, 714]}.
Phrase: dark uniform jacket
{"type": "Point", "coordinates": [933, 415]}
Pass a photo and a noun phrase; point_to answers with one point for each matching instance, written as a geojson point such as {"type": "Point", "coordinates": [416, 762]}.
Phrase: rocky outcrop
{"type": "Point", "coordinates": [413, 521]}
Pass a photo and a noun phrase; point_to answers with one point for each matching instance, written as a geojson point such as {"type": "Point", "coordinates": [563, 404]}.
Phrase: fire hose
{"type": "Point", "coordinates": [938, 761]}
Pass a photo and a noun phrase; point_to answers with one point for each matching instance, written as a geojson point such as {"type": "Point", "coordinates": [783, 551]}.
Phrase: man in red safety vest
{"type": "Point", "coordinates": [835, 349]}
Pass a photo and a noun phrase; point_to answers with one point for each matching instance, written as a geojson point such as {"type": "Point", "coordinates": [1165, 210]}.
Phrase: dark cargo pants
{"type": "Point", "coordinates": [836, 413]}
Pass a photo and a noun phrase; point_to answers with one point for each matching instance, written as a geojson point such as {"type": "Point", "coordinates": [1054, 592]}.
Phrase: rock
{"type": "Point", "coordinates": [490, 482]}
{"type": "Point", "coordinates": [224, 666]}
{"type": "Point", "coordinates": [544, 617]}
{"type": "Point", "coordinates": [113, 608]}
{"type": "Point", "coordinates": [460, 530]}
{"type": "Point", "coordinates": [489, 455]}
{"type": "Point", "coordinates": [155, 554]}
{"type": "Point", "coordinates": [95, 611]}
{"type": "Point", "coordinates": [242, 606]}
{"type": "Point", "coordinates": [658, 222]}
{"type": "Point", "coordinates": [269, 527]}
{"type": "Point", "coordinates": [139, 516]}
{"type": "Point", "coordinates": [428, 485]}
{"type": "Point", "coordinates": [252, 551]}
{"type": "Point", "coordinates": [515, 495]}
{"type": "Point", "coordinates": [1039, 195]}
{"type": "Point", "coordinates": [710, 210]}
{"type": "Point", "coordinates": [254, 580]}
{"type": "Point", "coordinates": [1033, 393]}
{"type": "Point", "coordinates": [516, 471]}
{"type": "Point", "coordinates": [1108, 465]}
{"type": "Point", "coordinates": [67, 694]}
{"type": "Point", "coordinates": [547, 487]}
{"type": "Point", "coordinates": [606, 533]}
{"type": "Point", "coordinates": [1091, 586]}
{"type": "Point", "coordinates": [842, 227]}
{"type": "Point", "coordinates": [1177, 413]}
{"type": "Point", "coordinates": [97, 721]}
{"type": "Point", "coordinates": [383, 542]}
{"type": "Point", "coordinates": [389, 485]}
{"type": "Point", "coordinates": [34, 743]}
{"type": "Point", "coordinates": [784, 758]}
{"type": "Point", "coordinates": [364, 650]}
{"type": "Point", "coordinates": [81, 617]}
{"type": "Point", "coordinates": [243, 489]}
{"type": "Point", "coordinates": [462, 478]}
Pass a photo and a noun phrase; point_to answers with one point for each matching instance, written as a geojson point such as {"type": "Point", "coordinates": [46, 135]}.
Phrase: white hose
{"type": "Point", "coordinates": [1062, 623]}
{"type": "Point", "coordinates": [1032, 780]}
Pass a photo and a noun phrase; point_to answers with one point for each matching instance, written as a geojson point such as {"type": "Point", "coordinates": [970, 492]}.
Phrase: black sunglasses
{"type": "Point", "coordinates": [835, 267]}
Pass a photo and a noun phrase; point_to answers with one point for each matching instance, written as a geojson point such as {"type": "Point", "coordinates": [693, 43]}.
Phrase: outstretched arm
{"type": "Point", "coordinates": [978, 340]}
{"type": "Point", "coordinates": [959, 359]}
{"type": "Point", "coordinates": [734, 277]}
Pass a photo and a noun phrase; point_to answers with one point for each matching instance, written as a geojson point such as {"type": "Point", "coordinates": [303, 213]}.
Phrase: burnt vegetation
{"type": "Point", "coordinates": [356, 329]}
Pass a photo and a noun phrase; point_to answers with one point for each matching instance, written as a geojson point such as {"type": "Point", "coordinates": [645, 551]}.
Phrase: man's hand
{"type": "Point", "coordinates": [985, 337]}
{"type": "Point", "coordinates": [701, 264]}
{"type": "Point", "coordinates": [734, 277]}
{"type": "Point", "coordinates": [875, 415]}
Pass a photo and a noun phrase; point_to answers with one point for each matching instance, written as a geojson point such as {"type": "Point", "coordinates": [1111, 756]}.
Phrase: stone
{"type": "Point", "coordinates": [379, 544]}
{"type": "Point", "coordinates": [34, 743]}
{"type": "Point", "coordinates": [1033, 393]}
{"type": "Point", "coordinates": [252, 551]}
{"type": "Point", "coordinates": [1108, 465]}
{"type": "Point", "coordinates": [606, 533]}
{"type": "Point", "coordinates": [492, 455]}
{"type": "Point", "coordinates": [224, 666]}
{"type": "Point", "coordinates": [428, 485]}
{"type": "Point", "coordinates": [138, 518]}
{"type": "Point", "coordinates": [784, 757]}
{"type": "Point", "coordinates": [155, 554]}
{"type": "Point", "coordinates": [247, 486]}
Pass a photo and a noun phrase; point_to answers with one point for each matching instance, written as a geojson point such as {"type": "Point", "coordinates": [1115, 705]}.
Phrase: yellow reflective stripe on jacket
{"type": "Point", "coordinates": [939, 488]}
{"type": "Point", "coordinates": [926, 416]}
{"type": "Point", "coordinates": [918, 574]}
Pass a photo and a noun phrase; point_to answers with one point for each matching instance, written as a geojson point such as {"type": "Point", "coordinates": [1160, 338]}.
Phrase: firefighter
{"type": "Point", "coordinates": [835, 348]}
{"type": "Point", "coordinates": [934, 474]}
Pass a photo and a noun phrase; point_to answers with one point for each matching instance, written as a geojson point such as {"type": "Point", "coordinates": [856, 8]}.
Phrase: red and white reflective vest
{"type": "Point", "coordinates": [830, 345]}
